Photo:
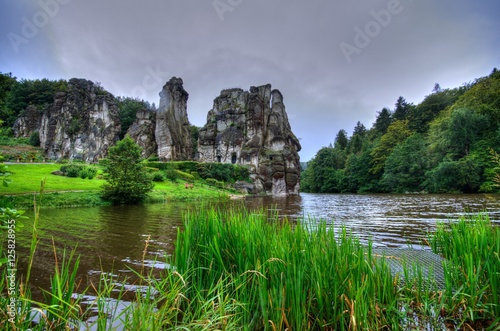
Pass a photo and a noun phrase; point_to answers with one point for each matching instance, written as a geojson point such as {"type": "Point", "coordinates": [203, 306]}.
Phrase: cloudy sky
{"type": "Point", "coordinates": [336, 62]}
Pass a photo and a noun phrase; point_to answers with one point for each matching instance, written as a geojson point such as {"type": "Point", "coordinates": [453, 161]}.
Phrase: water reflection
{"type": "Point", "coordinates": [113, 239]}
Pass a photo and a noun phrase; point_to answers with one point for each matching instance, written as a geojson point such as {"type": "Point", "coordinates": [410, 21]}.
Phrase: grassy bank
{"type": "Point", "coordinates": [62, 191]}
{"type": "Point", "coordinates": [237, 270]}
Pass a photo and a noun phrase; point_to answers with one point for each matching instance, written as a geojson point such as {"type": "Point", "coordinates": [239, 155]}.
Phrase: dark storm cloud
{"type": "Point", "coordinates": [134, 47]}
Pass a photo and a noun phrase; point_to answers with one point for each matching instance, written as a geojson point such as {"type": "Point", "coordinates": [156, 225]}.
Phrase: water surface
{"type": "Point", "coordinates": [115, 240]}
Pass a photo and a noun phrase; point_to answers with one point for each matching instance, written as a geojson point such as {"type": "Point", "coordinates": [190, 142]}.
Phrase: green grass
{"type": "Point", "coordinates": [240, 270]}
{"type": "Point", "coordinates": [26, 178]}
{"type": "Point", "coordinates": [61, 191]}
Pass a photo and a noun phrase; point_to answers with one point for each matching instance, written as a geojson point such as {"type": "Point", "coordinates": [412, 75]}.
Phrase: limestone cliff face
{"type": "Point", "coordinates": [172, 133]}
{"type": "Point", "coordinates": [251, 128]}
{"type": "Point", "coordinates": [81, 124]}
{"type": "Point", "coordinates": [143, 132]}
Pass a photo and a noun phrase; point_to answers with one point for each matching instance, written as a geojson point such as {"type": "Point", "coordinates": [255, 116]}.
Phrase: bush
{"type": "Point", "coordinates": [88, 172]}
{"type": "Point", "coordinates": [79, 170]}
{"type": "Point", "coordinates": [184, 175]}
{"type": "Point", "coordinates": [171, 175]}
{"type": "Point", "coordinates": [215, 182]}
{"type": "Point", "coordinates": [221, 171]}
{"type": "Point", "coordinates": [72, 169]}
{"type": "Point", "coordinates": [157, 176]}
{"type": "Point", "coordinates": [35, 139]}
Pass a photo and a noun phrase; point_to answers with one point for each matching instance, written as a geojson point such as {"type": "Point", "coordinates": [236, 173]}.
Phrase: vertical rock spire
{"type": "Point", "coordinates": [172, 132]}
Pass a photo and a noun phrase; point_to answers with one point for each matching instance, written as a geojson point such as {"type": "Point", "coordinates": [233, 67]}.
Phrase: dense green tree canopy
{"type": "Point", "coordinates": [128, 108]}
{"type": "Point", "coordinates": [443, 144]}
{"type": "Point", "coordinates": [127, 180]}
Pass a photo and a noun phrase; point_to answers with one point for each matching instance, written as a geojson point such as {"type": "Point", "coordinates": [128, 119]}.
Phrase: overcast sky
{"type": "Point", "coordinates": [336, 62]}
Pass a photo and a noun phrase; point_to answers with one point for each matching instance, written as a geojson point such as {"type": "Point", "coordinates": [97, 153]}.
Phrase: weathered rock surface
{"type": "Point", "coordinates": [28, 122]}
{"type": "Point", "coordinates": [81, 124]}
{"type": "Point", "coordinates": [143, 132]}
{"type": "Point", "coordinates": [172, 133]}
{"type": "Point", "coordinates": [251, 128]}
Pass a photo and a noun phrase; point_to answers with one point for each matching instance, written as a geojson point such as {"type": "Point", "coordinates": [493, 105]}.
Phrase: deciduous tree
{"type": "Point", "coordinates": [127, 179]}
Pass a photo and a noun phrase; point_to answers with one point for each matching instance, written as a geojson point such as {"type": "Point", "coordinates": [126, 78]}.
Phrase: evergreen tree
{"type": "Point", "coordinates": [382, 121]}
{"type": "Point", "coordinates": [341, 140]}
{"type": "Point", "coordinates": [357, 139]}
{"type": "Point", "coordinates": [401, 109]}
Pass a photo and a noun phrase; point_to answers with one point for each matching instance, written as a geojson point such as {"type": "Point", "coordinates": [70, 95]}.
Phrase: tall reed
{"type": "Point", "coordinates": [471, 247]}
{"type": "Point", "coordinates": [287, 276]}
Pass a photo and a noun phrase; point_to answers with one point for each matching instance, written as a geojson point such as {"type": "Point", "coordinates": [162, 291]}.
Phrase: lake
{"type": "Point", "coordinates": [113, 239]}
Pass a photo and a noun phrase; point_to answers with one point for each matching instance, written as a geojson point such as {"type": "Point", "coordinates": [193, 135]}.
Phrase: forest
{"type": "Point", "coordinates": [17, 94]}
{"type": "Point", "coordinates": [448, 143]}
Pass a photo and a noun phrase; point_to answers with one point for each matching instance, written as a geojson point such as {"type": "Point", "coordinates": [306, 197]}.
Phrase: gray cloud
{"type": "Point", "coordinates": [133, 47]}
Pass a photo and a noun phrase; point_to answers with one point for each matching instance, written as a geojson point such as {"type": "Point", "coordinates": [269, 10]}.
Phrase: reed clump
{"type": "Point", "coordinates": [237, 269]}
{"type": "Point", "coordinates": [471, 247]}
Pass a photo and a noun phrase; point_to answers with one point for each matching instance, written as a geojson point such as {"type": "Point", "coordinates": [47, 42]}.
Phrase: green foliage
{"type": "Point", "coordinates": [471, 248]}
{"type": "Point", "coordinates": [171, 175]}
{"type": "Point", "coordinates": [88, 172]}
{"type": "Point", "coordinates": [127, 179]}
{"type": "Point", "coordinates": [128, 108]}
{"type": "Point", "coordinates": [341, 140]}
{"type": "Point", "coordinates": [402, 110]}
{"type": "Point", "coordinates": [35, 139]}
{"type": "Point", "coordinates": [38, 93]}
{"type": "Point", "coordinates": [439, 145]}
{"type": "Point", "coordinates": [79, 170]}
{"type": "Point", "coordinates": [382, 122]}
{"type": "Point", "coordinates": [323, 173]}
{"type": "Point", "coordinates": [221, 171]}
{"type": "Point", "coordinates": [157, 176]}
{"type": "Point", "coordinates": [406, 166]}
{"type": "Point", "coordinates": [454, 176]}
{"type": "Point", "coordinates": [72, 169]}
{"type": "Point", "coordinates": [396, 133]}
{"type": "Point", "coordinates": [431, 107]}
{"type": "Point", "coordinates": [184, 176]}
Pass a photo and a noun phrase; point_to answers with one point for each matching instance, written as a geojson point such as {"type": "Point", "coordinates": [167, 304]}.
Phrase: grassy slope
{"type": "Point", "coordinates": [26, 179]}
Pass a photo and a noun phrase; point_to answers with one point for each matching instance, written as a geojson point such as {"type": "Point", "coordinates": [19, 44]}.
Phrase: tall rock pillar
{"type": "Point", "coordinates": [172, 133]}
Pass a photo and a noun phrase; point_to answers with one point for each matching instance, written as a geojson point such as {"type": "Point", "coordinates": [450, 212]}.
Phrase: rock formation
{"type": "Point", "coordinates": [143, 132]}
{"type": "Point", "coordinates": [172, 133]}
{"type": "Point", "coordinates": [81, 124]}
{"type": "Point", "coordinates": [251, 128]}
{"type": "Point", "coordinates": [28, 123]}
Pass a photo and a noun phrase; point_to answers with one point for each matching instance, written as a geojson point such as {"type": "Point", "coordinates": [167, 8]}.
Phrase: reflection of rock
{"type": "Point", "coordinates": [82, 123]}
{"type": "Point", "coordinates": [244, 187]}
{"type": "Point", "coordinates": [143, 132]}
{"type": "Point", "coordinates": [252, 128]}
{"type": "Point", "coordinates": [172, 133]}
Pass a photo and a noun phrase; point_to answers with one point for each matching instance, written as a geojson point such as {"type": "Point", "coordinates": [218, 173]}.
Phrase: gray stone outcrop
{"type": "Point", "coordinates": [81, 124]}
{"type": "Point", "coordinates": [143, 132]}
{"type": "Point", "coordinates": [172, 133]}
{"type": "Point", "coordinates": [28, 122]}
{"type": "Point", "coordinates": [252, 128]}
